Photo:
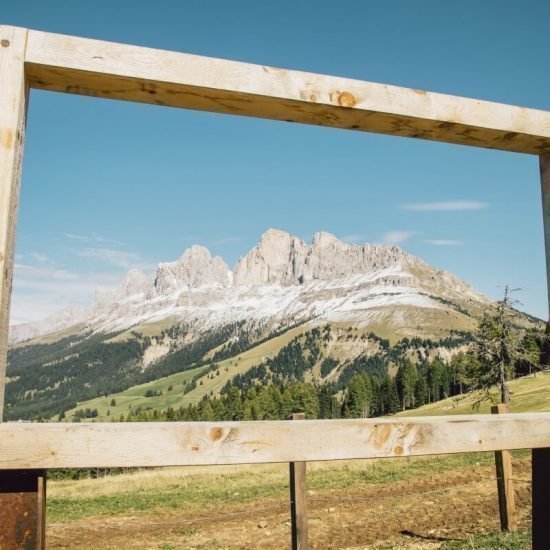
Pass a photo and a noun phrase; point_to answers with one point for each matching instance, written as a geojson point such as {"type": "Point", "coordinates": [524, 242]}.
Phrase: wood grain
{"type": "Point", "coordinates": [27, 445]}
{"type": "Point", "coordinates": [505, 483]}
{"type": "Point", "coordinates": [13, 95]}
{"type": "Point", "coordinates": [118, 71]}
{"type": "Point", "coordinates": [298, 500]}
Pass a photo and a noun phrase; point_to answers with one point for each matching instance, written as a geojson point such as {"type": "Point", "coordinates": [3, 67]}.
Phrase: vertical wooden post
{"type": "Point", "coordinates": [22, 509]}
{"type": "Point", "coordinates": [541, 457]}
{"type": "Point", "coordinates": [22, 492]}
{"type": "Point", "coordinates": [541, 498]}
{"type": "Point", "coordinates": [505, 484]}
{"type": "Point", "coordinates": [13, 105]}
{"type": "Point", "coordinates": [298, 500]}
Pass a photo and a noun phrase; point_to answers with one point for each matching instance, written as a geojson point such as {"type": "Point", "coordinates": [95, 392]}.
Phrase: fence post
{"type": "Point", "coordinates": [22, 509]}
{"type": "Point", "coordinates": [505, 484]}
{"type": "Point", "coordinates": [298, 500]}
{"type": "Point", "coordinates": [541, 498]}
{"type": "Point", "coordinates": [541, 457]}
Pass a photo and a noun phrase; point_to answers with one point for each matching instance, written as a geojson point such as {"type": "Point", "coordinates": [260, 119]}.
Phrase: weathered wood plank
{"type": "Point", "coordinates": [298, 500]}
{"type": "Point", "coordinates": [505, 483]}
{"type": "Point", "coordinates": [26, 445]}
{"type": "Point", "coordinates": [13, 95]}
{"type": "Point", "coordinates": [117, 71]}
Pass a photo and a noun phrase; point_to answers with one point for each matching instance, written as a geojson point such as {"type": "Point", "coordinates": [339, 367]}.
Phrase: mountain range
{"type": "Point", "coordinates": [282, 280]}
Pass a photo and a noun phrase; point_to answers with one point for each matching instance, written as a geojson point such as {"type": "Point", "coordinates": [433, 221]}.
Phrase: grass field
{"type": "Point", "coordinates": [529, 394]}
{"type": "Point", "coordinates": [135, 397]}
{"type": "Point", "coordinates": [426, 502]}
{"type": "Point", "coordinates": [200, 488]}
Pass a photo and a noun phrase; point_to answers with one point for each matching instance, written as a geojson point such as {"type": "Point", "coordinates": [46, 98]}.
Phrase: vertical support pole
{"type": "Point", "coordinates": [545, 191]}
{"type": "Point", "coordinates": [541, 498]}
{"type": "Point", "coordinates": [505, 484]}
{"type": "Point", "coordinates": [22, 509]}
{"type": "Point", "coordinates": [298, 500]}
{"type": "Point", "coordinates": [541, 457]}
{"type": "Point", "coordinates": [13, 106]}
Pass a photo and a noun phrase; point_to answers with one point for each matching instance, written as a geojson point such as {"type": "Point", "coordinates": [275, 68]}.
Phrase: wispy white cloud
{"type": "Point", "coordinates": [40, 257]}
{"type": "Point", "coordinates": [92, 238]}
{"type": "Point", "coordinates": [354, 239]}
{"type": "Point", "coordinates": [112, 256]}
{"type": "Point", "coordinates": [396, 237]}
{"type": "Point", "coordinates": [444, 242]}
{"type": "Point", "coordinates": [49, 272]}
{"type": "Point", "coordinates": [41, 290]}
{"type": "Point", "coordinates": [443, 206]}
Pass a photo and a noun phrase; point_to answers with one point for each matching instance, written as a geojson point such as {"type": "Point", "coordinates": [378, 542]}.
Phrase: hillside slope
{"type": "Point", "coordinates": [529, 394]}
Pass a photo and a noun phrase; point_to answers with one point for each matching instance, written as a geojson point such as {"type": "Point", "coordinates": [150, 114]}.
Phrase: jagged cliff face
{"type": "Point", "coordinates": [194, 269]}
{"type": "Point", "coordinates": [282, 279]}
{"type": "Point", "coordinates": [280, 258]}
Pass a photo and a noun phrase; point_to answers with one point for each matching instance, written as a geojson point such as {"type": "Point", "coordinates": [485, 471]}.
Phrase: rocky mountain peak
{"type": "Point", "coordinates": [277, 259]}
{"type": "Point", "coordinates": [134, 282]}
{"type": "Point", "coordinates": [280, 258]}
{"type": "Point", "coordinates": [196, 268]}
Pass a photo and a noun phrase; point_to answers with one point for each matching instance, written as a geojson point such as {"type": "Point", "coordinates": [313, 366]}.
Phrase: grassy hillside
{"type": "Point", "coordinates": [529, 394]}
{"type": "Point", "coordinates": [135, 396]}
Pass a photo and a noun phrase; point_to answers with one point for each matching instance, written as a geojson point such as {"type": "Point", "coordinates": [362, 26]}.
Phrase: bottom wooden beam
{"type": "Point", "coordinates": [22, 509]}
{"type": "Point", "coordinates": [541, 498]}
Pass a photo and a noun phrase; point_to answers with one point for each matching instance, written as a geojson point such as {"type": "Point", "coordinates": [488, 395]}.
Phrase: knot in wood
{"type": "Point", "coordinates": [346, 99]}
{"type": "Point", "coordinates": [5, 43]}
{"type": "Point", "coordinates": [216, 434]}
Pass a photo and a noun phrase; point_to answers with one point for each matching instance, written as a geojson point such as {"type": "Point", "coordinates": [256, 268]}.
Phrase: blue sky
{"type": "Point", "coordinates": [112, 185]}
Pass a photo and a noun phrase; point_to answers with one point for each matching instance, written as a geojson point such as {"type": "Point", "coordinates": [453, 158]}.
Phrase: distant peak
{"type": "Point", "coordinates": [196, 250]}
{"type": "Point", "coordinates": [272, 233]}
{"type": "Point", "coordinates": [322, 237]}
{"type": "Point", "coordinates": [134, 274]}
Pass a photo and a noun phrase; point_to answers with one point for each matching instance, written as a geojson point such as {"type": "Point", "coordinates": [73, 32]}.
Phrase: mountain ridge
{"type": "Point", "coordinates": [282, 278]}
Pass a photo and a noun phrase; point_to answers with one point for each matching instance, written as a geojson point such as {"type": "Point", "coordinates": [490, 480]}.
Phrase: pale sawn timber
{"type": "Point", "coordinates": [505, 482]}
{"type": "Point", "coordinates": [83, 445]}
{"type": "Point", "coordinates": [118, 71]}
{"type": "Point", "coordinates": [13, 105]}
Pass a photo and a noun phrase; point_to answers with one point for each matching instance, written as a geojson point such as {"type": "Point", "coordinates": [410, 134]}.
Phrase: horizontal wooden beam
{"type": "Point", "coordinates": [117, 71]}
{"type": "Point", "coordinates": [27, 445]}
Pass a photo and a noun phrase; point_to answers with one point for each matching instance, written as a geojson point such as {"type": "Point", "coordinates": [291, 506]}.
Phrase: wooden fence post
{"type": "Point", "coordinates": [298, 500]}
{"type": "Point", "coordinates": [505, 484]}
{"type": "Point", "coordinates": [540, 480]}
{"type": "Point", "coordinates": [13, 105]}
{"type": "Point", "coordinates": [541, 498]}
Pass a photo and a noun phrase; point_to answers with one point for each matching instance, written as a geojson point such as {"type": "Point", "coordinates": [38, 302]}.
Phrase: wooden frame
{"type": "Point", "coordinates": [33, 59]}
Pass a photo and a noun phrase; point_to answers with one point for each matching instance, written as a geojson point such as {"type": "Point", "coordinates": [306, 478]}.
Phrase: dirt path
{"type": "Point", "coordinates": [420, 513]}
